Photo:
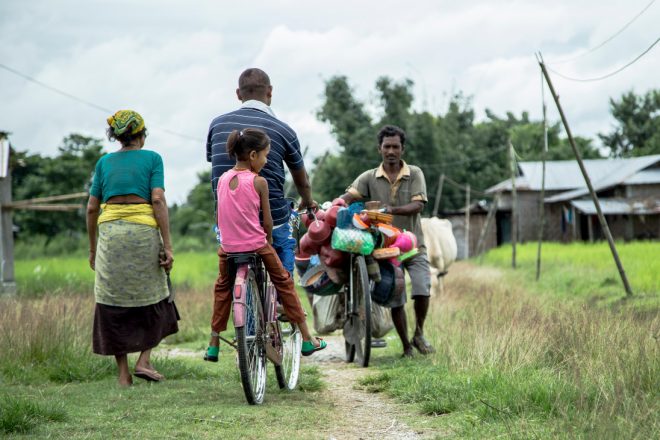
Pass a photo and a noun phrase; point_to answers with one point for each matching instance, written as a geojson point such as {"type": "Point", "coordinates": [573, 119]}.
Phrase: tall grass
{"type": "Point", "coordinates": [522, 366]}
{"type": "Point", "coordinates": [49, 339]}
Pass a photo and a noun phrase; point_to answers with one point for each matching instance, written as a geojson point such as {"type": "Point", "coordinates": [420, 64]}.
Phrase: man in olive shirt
{"type": "Point", "coordinates": [402, 189]}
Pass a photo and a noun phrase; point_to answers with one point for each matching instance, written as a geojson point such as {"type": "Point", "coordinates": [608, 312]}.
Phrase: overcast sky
{"type": "Point", "coordinates": [177, 62]}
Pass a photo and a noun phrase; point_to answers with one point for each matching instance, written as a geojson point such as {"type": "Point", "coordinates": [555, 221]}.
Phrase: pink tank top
{"type": "Point", "coordinates": [238, 213]}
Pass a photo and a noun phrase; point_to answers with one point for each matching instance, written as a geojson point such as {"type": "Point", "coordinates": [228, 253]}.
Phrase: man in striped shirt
{"type": "Point", "coordinates": [255, 92]}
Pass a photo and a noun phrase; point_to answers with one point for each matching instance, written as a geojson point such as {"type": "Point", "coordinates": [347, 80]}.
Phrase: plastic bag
{"type": "Point", "coordinates": [381, 321]}
{"type": "Point", "coordinates": [352, 240]}
{"type": "Point", "coordinates": [326, 313]}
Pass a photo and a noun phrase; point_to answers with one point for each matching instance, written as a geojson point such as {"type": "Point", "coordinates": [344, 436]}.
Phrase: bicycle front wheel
{"type": "Point", "coordinates": [357, 330]}
{"type": "Point", "coordinates": [287, 372]}
{"type": "Point", "coordinates": [250, 344]}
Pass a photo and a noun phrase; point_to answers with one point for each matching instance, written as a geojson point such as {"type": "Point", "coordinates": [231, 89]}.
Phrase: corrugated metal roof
{"type": "Point", "coordinates": [646, 177]}
{"type": "Point", "coordinates": [627, 169]}
{"type": "Point", "coordinates": [618, 206]}
{"type": "Point", "coordinates": [565, 175]}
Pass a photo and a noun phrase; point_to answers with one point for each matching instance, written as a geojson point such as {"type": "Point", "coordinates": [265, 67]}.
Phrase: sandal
{"type": "Point", "coordinates": [422, 345]}
{"type": "Point", "coordinates": [212, 354]}
{"type": "Point", "coordinates": [308, 347]}
{"type": "Point", "coordinates": [148, 375]}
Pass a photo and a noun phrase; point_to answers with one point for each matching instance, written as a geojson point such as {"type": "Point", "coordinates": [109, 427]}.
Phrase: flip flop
{"type": "Point", "coordinates": [149, 376]}
{"type": "Point", "coordinates": [422, 345]}
{"type": "Point", "coordinates": [309, 349]}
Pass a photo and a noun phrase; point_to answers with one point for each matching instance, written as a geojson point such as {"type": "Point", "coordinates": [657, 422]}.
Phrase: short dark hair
{"type": "Point", "coordinates": [253, 82]}
{"type": "Point", "coordinates": [240, 143]}
{"type": "Point", "coordinates": [389, 131]}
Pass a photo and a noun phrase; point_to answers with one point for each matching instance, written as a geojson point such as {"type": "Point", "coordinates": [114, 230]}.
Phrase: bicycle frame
{"type": "Point", "coordinates": [267, 295]}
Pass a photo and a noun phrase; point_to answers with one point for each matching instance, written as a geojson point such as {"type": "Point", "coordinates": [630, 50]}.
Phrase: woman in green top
{"type": "Point", "coordinates": [130, 250]}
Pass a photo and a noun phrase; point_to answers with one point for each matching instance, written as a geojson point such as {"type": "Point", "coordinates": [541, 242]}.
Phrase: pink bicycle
{"type": "Point", "coordinates": [260, 335]}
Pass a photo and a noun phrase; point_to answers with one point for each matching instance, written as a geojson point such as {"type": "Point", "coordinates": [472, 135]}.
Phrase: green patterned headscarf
{"type": "Point", "coordinates": [126, 121]}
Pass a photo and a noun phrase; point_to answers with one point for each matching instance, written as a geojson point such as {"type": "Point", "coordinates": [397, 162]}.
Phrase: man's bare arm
{"type": "Point", "coordinates": [304, 187]}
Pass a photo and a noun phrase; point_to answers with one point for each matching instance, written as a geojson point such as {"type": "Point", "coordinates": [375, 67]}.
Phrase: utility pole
{"type": "Point", "coordinates": [7, 281]}
{"type": "Point", "coordinates": [514, 205]}
{"type": "Point", "coordinates": [467, 221]}
{"type": "Point", "coordinates": [438, 195]}
{"type": "Point", "coordinates": [594, 197]}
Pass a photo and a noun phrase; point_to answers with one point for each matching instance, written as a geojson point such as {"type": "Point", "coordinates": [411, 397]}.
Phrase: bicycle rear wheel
{"type": "Point", "coordinates": [357, 329]}
{"type": "Point", "coordinates": [287, 373]}
{"type": "Point", "coordinates": [250, 345]}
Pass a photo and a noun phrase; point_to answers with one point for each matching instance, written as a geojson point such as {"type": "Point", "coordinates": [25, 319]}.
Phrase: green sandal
{"type": "Point", "coordinates": [212, 354]}
{"type": "Point", "coordinates": [308, 347]}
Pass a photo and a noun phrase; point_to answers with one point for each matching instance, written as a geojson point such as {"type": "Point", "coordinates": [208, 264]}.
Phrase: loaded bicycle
{"type": "Point", "coordinates": [353, 289]}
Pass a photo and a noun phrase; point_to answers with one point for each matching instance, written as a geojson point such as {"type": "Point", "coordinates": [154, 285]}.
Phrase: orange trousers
{"type": "Point", "coordinates": [281, 278]}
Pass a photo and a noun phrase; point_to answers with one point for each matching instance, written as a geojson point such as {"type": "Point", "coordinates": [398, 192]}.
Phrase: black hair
{"type": "Point", "coordinates": [240, 143]}
{"type": "Point", "coordinates": [389, 131]}
{"type": "Point", "coordinates": [125, 138]}
{"type": "Point", "coordinates": [253, 82]}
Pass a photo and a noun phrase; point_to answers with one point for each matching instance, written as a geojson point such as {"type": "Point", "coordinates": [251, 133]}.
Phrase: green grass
{"type": "Point", "coordinates": [72, 275]}
{"type": "Point", "coordinates": [517, 360]}
{"type": "Point", "coordinates": [586, 271]}
{"type": "Point", "coordinates": [198, 400]}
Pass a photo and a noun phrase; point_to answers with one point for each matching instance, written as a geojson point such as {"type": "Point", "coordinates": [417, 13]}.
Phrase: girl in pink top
{"type": "Point", "coordinates": [242, 193]}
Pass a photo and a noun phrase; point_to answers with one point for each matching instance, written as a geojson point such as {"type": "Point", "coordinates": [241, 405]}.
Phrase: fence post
{"type": "Point", "coordinates": [438, 195]}
{"type": "Point", "coordinates": [514, 205]}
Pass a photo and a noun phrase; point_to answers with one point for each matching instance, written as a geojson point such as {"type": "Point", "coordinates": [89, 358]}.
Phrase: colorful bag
{"type": "Point", "coordinates": [353, 241]}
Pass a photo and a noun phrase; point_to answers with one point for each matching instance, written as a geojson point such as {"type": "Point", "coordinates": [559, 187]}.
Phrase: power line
{"type": "Point", "coordinates": [88, 103]}
{"type": "Point", "coordinates": [613, 36]}
{"type": "Point", "coordinates": [609, 74]}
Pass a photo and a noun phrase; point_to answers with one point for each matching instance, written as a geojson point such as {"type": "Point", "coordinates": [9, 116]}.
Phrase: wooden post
{"type": "Point", "coordinates": [514, 205]}
{"type": "Point", "coordinates": [7, 282]}
{"type": "Point", "coordinates": [438, 195]}
{"type": "Point", "coordinates": [590, 228]}
{"type": "Point", "coordinates": [594, 197]}
{"type": "Point", "coordinates": [486, 227]}
{"type": "Point", "coordinates": [574, 222]}
{"type": "Point", "coordinates": [467, 221]}
{"type": "Point", "coordinates": [542, 195]}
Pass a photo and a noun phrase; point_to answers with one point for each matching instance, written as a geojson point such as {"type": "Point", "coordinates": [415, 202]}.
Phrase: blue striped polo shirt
{"type": "Point", "coordinates": [284, 148]}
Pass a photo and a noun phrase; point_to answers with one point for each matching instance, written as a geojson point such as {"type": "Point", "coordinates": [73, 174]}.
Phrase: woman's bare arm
{"type": "Point", "coordinates": [93, 210]}
{"type": "Point", "coordinates": [162, 218]}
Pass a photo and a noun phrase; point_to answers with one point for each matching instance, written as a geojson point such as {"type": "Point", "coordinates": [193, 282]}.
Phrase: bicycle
{"type": "Point", "coordinates": [260, 335]}
{"type": "Point", "coordinates": [357, 312]}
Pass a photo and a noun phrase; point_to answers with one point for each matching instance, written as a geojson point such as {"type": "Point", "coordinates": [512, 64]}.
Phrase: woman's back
{"type": "Point", "coordinates": [128, 172]}
{"type": "Point", "coordinates": [238, 212]}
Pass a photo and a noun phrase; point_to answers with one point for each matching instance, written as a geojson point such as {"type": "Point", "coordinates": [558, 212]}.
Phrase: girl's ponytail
{"type": "Point", "coordinates": [232, 141]}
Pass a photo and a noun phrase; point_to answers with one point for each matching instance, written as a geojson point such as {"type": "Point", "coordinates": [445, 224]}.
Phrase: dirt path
{"type": "Point", "coordinates": [367, 415]}
{"type": "Point", "coordinates": [358, 414]}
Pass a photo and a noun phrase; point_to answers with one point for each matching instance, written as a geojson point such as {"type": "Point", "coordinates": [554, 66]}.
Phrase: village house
{"type": "Point", "coordinates": [628, 191]}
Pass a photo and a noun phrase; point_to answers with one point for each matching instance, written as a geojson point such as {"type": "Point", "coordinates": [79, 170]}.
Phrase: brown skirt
{"type": "Point", "coordinates": [122, 330]}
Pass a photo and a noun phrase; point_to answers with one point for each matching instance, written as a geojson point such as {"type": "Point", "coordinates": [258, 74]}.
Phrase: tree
{"type": "Point", "coordinates": [637, 130]}
{"type": "Point", "coordinates": [36, 176]}
{"type": "Point", "coordinates": [194, 218]}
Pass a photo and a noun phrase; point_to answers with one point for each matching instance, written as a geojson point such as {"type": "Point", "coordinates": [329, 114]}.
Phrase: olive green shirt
{"type": "Point", "coordinates": [408, 187]}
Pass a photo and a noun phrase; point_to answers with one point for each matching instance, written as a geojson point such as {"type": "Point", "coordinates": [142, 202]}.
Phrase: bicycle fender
{"type": "Point", "coordinates": [239, 296]}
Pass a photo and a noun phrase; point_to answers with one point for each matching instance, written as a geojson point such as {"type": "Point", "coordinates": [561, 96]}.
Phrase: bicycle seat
{"type": "Point", "coordinates": [244, 258]}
